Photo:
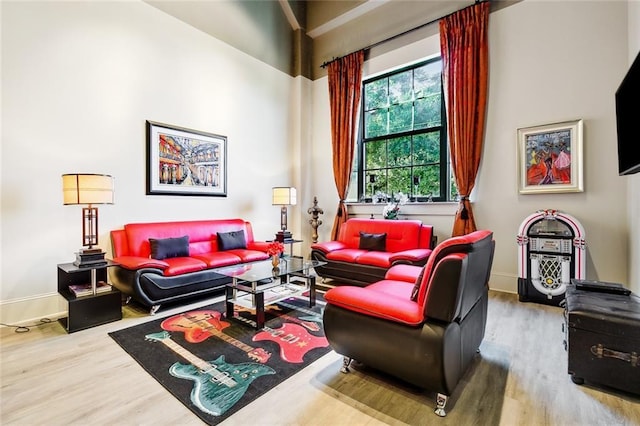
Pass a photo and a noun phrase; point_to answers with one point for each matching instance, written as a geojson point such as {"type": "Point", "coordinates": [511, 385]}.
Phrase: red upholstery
{"type": "Point", "coordinates": [408, 273]}
{"type": "Point", "coordinates": [131, 248]}
{"type": "Point", "coordinates": [401, 234]}
{"type": "Point", "coordinates": [431, 341]}
{"type": "Point", "coordinates": [202, 235]}
{"type": "Point", "coordinates": [183, 265]}
{"type": "Point", "coordinates": [448, 246]}
{"type": "Point", "coordinates": [385, 299]}
{"type": "Point", "coordinates": [391, 298]}
{"type": "Point", "coordinates": [153, 282]}
{"type": "Point", "coordinates": [407, 242]}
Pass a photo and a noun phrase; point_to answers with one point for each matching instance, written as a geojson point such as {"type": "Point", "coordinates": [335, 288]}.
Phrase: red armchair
{"type": "Point", "coordinates": [422, 325]}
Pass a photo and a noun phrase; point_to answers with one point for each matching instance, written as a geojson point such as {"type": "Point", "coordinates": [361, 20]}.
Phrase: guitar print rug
{"type": "Point", "coordinates": [216, 365]}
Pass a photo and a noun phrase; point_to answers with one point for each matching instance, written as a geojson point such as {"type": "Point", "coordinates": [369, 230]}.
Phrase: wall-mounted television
{"type": "Point", "coordinates": [628, 120]}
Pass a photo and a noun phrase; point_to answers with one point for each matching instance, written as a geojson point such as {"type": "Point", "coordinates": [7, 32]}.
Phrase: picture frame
{"type": "Point", "coordinates": [550, 158]}
{"type": "Point", "coordinates": [183, 161]}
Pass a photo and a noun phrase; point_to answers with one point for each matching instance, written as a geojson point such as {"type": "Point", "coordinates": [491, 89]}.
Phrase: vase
{"type": "Point", "coordinates": [275, 260]}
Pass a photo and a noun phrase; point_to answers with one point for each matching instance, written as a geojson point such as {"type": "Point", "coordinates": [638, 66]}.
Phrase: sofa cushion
{"type": "Point", "coordinates": [164, 248]}
{"type": "Point", "coordinates": [218, 259]}
{"type": "Point", "coordinates": [376, 242]}
{"type": "Point", "coordinates": [231, 240]}
{"type": "Point", "coordinates": [345, 255]}
{"type": "Point", "coordinates": [250, 255]}
{"type": "Point", "coordinates": [381, 259]}
{"type": "Point", "coordinates": [385, 299]}
{"type": "Point", "coordinates": [404, 272]}
{"type": "Point", "coordinates": [183, 265]}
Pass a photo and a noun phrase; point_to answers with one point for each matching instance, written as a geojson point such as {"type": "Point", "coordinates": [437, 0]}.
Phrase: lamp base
{"type": "Point", "coordinates": [90, 258]}
{"type": "Point", "coordinates": [282, 236]}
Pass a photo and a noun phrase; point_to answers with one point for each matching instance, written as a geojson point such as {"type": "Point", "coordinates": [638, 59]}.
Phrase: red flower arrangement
{"type": "Point", "coordinates": [275, 248]}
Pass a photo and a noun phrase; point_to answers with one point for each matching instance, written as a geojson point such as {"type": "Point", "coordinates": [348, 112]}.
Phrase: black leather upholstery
{"type": "Point", "coordinates": [432, 355]}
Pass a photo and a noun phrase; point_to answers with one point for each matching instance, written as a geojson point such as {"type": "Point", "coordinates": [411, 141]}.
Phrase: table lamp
{"type": "Point", "coordinates": [89, 189]}
{"type": "Point", "coordinates": [283, 196]}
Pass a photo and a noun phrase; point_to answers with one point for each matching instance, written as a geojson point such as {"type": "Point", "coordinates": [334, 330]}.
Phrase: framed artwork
{"type": "Point", "coordinates": [550, 158]}
{"type": "Point", "coordinates": [185, 162]}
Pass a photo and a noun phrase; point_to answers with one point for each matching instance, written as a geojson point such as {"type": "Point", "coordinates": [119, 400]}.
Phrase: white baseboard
{"type": "Point", "coordinates": [33, 309]}
{"type": "Point", "coordinates": [507, 283]}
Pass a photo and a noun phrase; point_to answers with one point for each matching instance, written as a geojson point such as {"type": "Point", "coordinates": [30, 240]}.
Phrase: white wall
{"type": "Point", "coordinates": [633, 193]}
{"type": "Point", "coordinates": [549, 62]}
{"type": "Point", "coordinates": [79, 79]}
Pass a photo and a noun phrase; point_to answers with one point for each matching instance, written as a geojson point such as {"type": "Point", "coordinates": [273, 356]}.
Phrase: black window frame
{"type": "Point", "coordinates": [444, 161]}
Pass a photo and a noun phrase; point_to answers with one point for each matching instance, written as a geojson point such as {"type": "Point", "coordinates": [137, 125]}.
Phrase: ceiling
{"type": "Point", "coordinates": [330, 28]}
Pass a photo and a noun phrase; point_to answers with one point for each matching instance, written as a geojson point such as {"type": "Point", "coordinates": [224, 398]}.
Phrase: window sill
{"type": "Point", "coordinates": [406, 211]}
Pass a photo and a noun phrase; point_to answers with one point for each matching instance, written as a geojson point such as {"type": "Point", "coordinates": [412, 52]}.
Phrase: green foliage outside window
{"type": "Point", "coordinates": [402, 146]}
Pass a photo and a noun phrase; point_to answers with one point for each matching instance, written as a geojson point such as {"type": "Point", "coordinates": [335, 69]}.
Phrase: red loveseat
{"type": "Point", "coordinates": [168, 262]}
{"type": "Point", "coordinates": [367, 248]}
{"type": "Point", "coordinates": [422, 325]}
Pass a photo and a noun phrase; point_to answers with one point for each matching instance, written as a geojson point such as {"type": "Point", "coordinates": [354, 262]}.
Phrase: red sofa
{"type": "Point", "coordinates": [167, 262]}
{"type": "Point", "coordinates": [422, 325]}
{"type": "Point", "coordinates": [360, 257]}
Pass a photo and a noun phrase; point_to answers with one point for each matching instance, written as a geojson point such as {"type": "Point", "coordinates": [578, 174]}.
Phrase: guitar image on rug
{"type": "Point", "coordinates": [311, 317]}
{"type": "Point", "coordinates": [198, 326]}
{"type": "Point", "coordinates": [276, 310]}
{"type": "Point", "coordinates": [218, 385]}
{"type": "Point", "coordinates": [294, 340]}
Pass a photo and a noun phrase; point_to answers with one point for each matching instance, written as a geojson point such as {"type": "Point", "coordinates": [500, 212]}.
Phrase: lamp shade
{"type": "Point", "coordinates": [87, 189]}
{"type": "Point", "coordinates": [284, 196]}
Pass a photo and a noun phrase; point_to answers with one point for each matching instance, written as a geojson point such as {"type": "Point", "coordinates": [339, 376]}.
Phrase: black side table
{"type": "Point", "coordinates": [94, 309]}
{"type": "Point", "coordinates": [290, 242]}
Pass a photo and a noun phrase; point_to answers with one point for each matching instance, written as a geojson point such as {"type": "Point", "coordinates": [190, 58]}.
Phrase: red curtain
{"type": "Point", "coordinates": [345, 78]}
{"type": "Point", "coordinates": [465, 59]}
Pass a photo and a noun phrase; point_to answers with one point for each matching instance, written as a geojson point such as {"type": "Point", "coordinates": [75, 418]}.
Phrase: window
{"type": "Point", "coordinates": [403, 145]}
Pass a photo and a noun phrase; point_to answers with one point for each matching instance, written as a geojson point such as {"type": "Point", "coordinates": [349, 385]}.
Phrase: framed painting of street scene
{"type": "Point", "coordinates": [183, 161]}
{"type": "Point", "coordinates": [550, 158]}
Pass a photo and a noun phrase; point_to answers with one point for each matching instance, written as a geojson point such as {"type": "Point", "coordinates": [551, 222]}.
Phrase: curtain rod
{"type": "Point", "coordinates": [393, 37]}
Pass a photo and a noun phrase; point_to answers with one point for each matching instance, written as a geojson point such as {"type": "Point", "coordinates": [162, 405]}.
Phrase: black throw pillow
{"type": "Point", "coordinates": [231, 240]}
{"type": "Point", "coordinates": [375, 242]}
{"type": "Point", "coordinates": [163, 248]}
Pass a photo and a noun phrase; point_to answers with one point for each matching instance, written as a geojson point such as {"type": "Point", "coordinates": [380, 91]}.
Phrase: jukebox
{"type": "Point", "coordinates": [552, 250]}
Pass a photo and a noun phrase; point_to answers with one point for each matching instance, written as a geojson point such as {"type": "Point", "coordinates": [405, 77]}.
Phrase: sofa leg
{"type": "Point", "coordinates": [127, 300]}
{"type": "Point", "coordinates": [154, 309]}
{"type": "Point", "coordinates": [441, 401]}
{"type": "Point", "coordinates": [345, 364]}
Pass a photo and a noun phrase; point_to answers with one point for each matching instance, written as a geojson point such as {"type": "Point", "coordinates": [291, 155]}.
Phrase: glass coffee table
{"type": "Point", "coordinates": [257, 284]}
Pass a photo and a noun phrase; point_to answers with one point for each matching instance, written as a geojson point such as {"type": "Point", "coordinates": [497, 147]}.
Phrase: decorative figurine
{"type": "Point", "coordinates": [314, 221]}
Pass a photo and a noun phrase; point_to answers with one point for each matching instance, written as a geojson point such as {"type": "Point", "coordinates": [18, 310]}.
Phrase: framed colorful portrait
{"type": "Point", "coordinates": [550, 158]}
{"type": "Point", "coordinates": [183, 161]}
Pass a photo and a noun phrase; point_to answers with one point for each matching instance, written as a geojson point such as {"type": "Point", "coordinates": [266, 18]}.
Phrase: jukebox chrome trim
{"type": "Point", "coordinates": [550, 258]}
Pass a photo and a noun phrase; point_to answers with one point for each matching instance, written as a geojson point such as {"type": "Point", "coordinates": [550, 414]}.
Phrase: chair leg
{"type": "Point", "coordinates": [345, 364]}
{"type": "Point", "coordinates": [441, 401]}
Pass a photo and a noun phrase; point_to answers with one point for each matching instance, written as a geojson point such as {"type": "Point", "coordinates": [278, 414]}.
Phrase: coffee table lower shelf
{"type": "Point", "coordinates": [247, 297]}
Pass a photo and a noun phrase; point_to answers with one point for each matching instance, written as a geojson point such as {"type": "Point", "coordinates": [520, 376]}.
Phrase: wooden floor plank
{"type": "Point", "coordinates": [49, 377]}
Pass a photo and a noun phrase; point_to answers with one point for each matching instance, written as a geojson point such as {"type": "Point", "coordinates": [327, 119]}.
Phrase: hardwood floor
{"type": "Point", "coordinates": [50, 377]}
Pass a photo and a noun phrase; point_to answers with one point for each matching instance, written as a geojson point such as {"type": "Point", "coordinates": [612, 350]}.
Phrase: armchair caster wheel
{"type": "Point", "coordinates": [154, 309]}
{"type": "Point", "coordinates": [441, 401]}
{"type": "Point", "coordinates": [577, 380]}
{"type": "Point", "coordinates": [345, 365]}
